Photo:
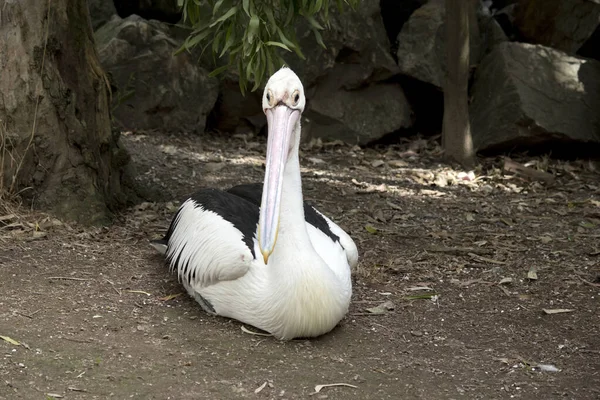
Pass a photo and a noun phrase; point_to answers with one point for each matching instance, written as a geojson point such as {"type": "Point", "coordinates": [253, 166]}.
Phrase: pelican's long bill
{"type": "Point", "coordinates": [281, 121]}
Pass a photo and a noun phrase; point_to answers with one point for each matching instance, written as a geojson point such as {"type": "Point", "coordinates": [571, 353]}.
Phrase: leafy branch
{"type": "Point", "coordinates": [252, 32]}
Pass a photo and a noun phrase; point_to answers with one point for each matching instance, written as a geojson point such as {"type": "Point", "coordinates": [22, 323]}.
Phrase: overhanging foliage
{"type": "Point", "coordinates": [251, 32]}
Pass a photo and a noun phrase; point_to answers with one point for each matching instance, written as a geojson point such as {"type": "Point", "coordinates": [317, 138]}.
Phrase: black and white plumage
{"type": "Point", "coordinates": [258, 253]}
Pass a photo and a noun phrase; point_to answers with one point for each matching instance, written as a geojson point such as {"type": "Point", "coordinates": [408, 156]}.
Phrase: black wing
{"type": "Point", "coordinates": [252, 192]}
{"type": "Point", "coordinates": [240, 212]}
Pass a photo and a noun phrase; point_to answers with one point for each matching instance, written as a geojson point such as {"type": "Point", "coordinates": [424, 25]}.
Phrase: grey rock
{"type": "Point", "coordinates": [421, 43]}
{"type": "Point", "coordinates": [155, 88]}
{"type": "Point", "coordinates": [561, 24]}
{"type": "Point", "coordinates": [348, 96]}
{"type": "Point", "coordinates": [353, 37]}
{"type": "Point", "coordinates": [101, 11]}
{"type": "Point", "coordinates": [527, 95]}
{"type": "Point", "coordinates": [355, 115]}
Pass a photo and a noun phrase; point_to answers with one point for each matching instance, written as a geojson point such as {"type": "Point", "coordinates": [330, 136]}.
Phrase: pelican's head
{"type": "Point", "coordinates": [283, 102]}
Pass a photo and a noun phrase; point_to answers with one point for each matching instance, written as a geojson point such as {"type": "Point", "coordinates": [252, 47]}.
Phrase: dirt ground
{"type": "Point", "coordinates": [455, 273]}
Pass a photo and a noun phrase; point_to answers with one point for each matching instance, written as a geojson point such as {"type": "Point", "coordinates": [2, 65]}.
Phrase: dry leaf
{"type": "Point", "coordinates": [315, 160]}
{"type": "Point", "coordinates": [170, 297]}
{"type": "Point", "coordinates": [377, 163]}
{"type": "Point", "coordinates": [214, 166]}
{"type": "Point", "coordinates": [10, 340]}
{"type": "Point", "coordinates": [397, 163]}
{"type": "Point", "coordinates": [318, 388]}
{"type": "Point", "coordinates": [557, 310]}
{"type": "Point", "coordinates": [248, 331]}
{"type": "Point", "coordinates": [548, 368]}
{"type": "Point", "coordinates": [260, 388]}
{"type": "Point", "coordinates": [505, 281]}
{"type": "Point", "coordinates": [139, 291]}
{"type": "Point", "coordinates": [371, 229]}
{"type": "Point", "coordinates": [469, 217]}
{"type": "Point", "coordinates": [383, 308]}
{"type": "Point", "coordinates": [532, 274]}
{"type": "Point", "coordinates": [414, 288]}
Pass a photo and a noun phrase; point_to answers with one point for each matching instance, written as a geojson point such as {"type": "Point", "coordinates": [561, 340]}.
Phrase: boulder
{"type": "Point", "coordinates": [356, 37]}
{"type": "Point", "coordinates": [562, 24]}
{"type": "Point", "coordinates": [349, 96]}
{"type": "Point", "coordinates": [101, 11]}
{"type": "Point", "coordinates": [421, 43]}
{"type": "Point", "coordinates": [530, 95]}
{"type": "Point", "coordinates": [160, 10]}
{"type": "Point", "coordinates": [356, 115]}
{"type": "Point", "coordinates": [155, 88]}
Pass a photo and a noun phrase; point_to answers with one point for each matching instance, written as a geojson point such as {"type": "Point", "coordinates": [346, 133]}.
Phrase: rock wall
{"type": "Point", "coordinates": [383, 72]}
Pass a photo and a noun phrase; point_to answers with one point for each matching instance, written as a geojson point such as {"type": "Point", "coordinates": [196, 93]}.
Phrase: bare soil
{"type": "Point", "coordinates": [466, 266]}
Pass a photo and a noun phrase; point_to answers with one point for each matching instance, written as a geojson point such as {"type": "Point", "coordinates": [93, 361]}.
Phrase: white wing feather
{"type": "Point", "coordinates": [345, 240]}
{"type": "Point", "coordinates": [207, 244]}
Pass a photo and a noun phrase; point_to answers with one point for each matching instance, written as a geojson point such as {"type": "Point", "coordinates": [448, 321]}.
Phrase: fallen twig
{"type": "Point", "coordinates": [68, 278]}
{"type": "Point", "coordinates": [521, 170]}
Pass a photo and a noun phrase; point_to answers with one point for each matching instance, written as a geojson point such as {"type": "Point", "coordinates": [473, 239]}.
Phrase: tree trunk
{"type": "Point", "coordinates": [456, 135]}
{"type": "Point", "coordinates": [561, 24]}
{"type": "Point", "coordinates": [56, 143]}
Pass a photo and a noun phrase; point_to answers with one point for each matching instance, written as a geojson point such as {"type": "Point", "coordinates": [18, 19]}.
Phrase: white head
{"type": "Point", "coordinates": [284, 88]}
{"type": "Point", "coordinates": [283, 102]}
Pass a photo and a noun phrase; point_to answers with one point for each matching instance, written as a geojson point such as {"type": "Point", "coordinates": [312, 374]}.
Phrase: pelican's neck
{"type": "Point", "coordinates": [292, 237]}
{"type": "Point", "coordinates": [292, 225]}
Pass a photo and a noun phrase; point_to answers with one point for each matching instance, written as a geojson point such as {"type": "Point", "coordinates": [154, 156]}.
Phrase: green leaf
{"type": "Point", "coordinates": [218, 71]}
{"type": "Point", "coordinates": [271, 18]}
{"type": "Point", "coordinates": [318, 5]}
{"type": "Point", "coordinates": [253, 26]}
{"type": "Point", "coordinates": [246, 6]}
{"type": "Point", "coordinates": [319, 38]}
{"type": "Point", "coordinates": [284, 39]}
{"type": "Point", "coordinates": [313, 22]}
{"type": "Point", "coordinates": [229, 39]}
{"type": "Point", "coordinates": [270, 68]}
{"type": "Point", "coordinates": [225, 16]}
{"type": "Point", "coordinates": [290, 15]}
{"type": "Point", "coordinates": [192, 41]}
{"type": "Point", "coordinates": [217, 43]}
{"type": "Point", "coordinates": [216, 7]}
{"type": "Point", "coordinates": [283, 46]}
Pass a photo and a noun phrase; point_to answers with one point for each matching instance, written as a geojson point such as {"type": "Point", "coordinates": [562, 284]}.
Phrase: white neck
{"type": "Point", "coordinates": [292, 233]}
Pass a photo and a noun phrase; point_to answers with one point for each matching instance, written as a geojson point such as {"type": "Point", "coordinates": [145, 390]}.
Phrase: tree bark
{"type": "Point", "coordinates": [56, 143]}
{"type": "Point", "coordinates": [456, 135]}
{"type": "Point", "coordinates": [562, 24]}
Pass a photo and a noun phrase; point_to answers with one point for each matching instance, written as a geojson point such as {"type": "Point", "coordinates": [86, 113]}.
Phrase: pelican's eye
{"type": "Point", "coordinates": [296, 97]}
{"type": "Point", "coordinates": [268, 97]}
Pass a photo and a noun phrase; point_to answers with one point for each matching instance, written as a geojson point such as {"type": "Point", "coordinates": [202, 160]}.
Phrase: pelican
{"type": "Point", "coordinates": [258, 253]}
